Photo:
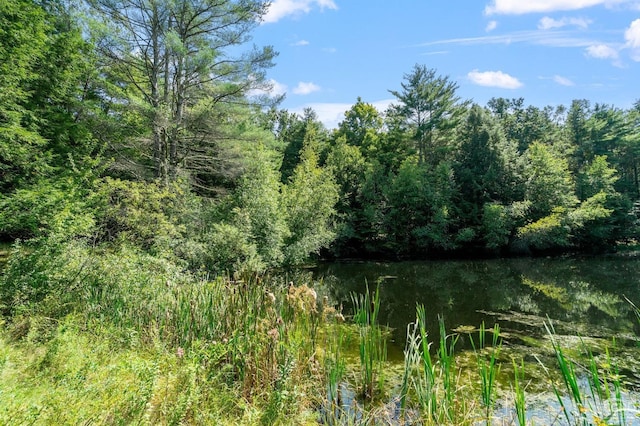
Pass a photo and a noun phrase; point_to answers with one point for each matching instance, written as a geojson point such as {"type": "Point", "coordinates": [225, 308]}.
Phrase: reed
{"type": "Point", "coordinates": [519, 395]}
{"type": "Point", "coordinates": [427, 384]}
{"type": "Point", "coordinates": [604, 386]}
{"type": "Point", "coordinates": [616, 380]}
{"type": "Point", "coordinates": [335, 369]}
{"type": "Point", "coordinates": [372, 343]}
{"type": "Point", "coordinates": [446, 360]}
{"type": "Point", "coordinates": [411, 360]}
{"type": "Point", "coordinates": [569, 377]}
{"type": "Point", "coordinates": [487, 367]}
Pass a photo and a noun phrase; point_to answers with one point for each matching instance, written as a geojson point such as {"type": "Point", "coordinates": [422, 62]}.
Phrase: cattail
{"type": "Point", "coordinates": [271, 297]}
{"type": "Point", "coordinates": [273, 333]}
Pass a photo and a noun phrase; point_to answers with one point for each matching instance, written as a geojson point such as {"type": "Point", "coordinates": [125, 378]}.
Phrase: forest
{"type": "Point", "coordinates": [143, 171]}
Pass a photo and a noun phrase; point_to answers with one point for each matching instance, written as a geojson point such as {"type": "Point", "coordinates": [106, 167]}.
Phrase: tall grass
{"type": "Point", "coordinates": [432, 383]}
{"type": "Point", "coordinates": [487, 367]}
{"type": "Point", "coordinates": [570, 380]}
{"type": "Point", "coordinates": [519, 393]}
{"type": "Point", "coordinates": [372, 343]}
{"type": "Point", "coordinates": [446, 359]}
{"type": "Point", "coordinates": [252, 338]}
{"type": "Point", "coordinates": [597, 401]}
{"type": "Point", "coordinates": [250, 351]}
{"type": "Point", "coordinates": [427, 385]}
{"type": "Point", "coordinates": [335, 366]}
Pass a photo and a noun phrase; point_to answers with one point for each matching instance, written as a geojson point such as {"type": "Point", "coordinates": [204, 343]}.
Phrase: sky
{"type": "Point", "coordinates": [548, 52]}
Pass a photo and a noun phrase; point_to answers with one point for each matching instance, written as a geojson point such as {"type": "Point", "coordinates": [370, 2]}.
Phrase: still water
{"type": "Point", "coordinates": [583, 297]}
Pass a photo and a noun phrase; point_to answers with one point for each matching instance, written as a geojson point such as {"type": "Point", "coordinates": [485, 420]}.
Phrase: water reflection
{"type": "Point", "coordinates": [586, 296]}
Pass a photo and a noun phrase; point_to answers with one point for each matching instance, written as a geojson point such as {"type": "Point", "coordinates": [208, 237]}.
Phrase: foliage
{"type": "Point", "coordinates": [420, 202]}
{"type": "Point", "coordinates": [430, 109]}
{"type": "Point", "coordinates": [549, 232]}
{"type": "Point", "coordinates": [48, 206]}
{"type": "Point", "coordinates": [549, 182]}
{"type": "Point", "coordinates": [176, 64]}
{"type": "Point", "coordinates": [137, 213]}
{"type": "Point", "coordinates": [496, 224]}
{"type": "Point", "coordinates": [259, 212]}
{"type": "Point", "coordinates": [308, 202]}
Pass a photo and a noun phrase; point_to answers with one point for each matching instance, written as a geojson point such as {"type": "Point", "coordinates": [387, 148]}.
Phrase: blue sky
{"type": "Point", "coordinates": [547, 51]}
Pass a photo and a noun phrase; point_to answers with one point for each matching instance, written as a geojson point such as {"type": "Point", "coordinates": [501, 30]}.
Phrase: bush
{"type": "Point", "coordinates": [138, 213]}
{"type": "Point", "coordinates": [48, 206]}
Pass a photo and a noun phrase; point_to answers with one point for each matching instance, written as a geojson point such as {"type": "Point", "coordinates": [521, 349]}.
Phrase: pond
{"type": "Point", "coordinates": [585, 299]}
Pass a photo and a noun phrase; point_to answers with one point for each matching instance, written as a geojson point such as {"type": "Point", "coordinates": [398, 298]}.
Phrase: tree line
{"type": "Point", "coordinates": [438, 175]}
{"type": "Point", "coordinates": [136, 122]}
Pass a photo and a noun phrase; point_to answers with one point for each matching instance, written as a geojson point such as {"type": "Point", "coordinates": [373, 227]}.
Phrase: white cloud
{"type": "Point", "coordinates": [563, 81]}
{"type": "Point", "coordinates": [519, 7]}
{"type": "Point", "coordinates": [632, 37]}
{"type": "Point", "coordinates": [329, 49]}
{"type": "Point", "coordinates": [331, 114]}
{"type": "Point", "coordinates": [602, 51]}
{"type": "Point", "coordinates": [494, 79]}
{"type": "Point", "coordinates": [492, 25]}
{"type": "Point", "coordinates": [437, 52]}
{"type": "Point", "coordinates": [553, 38]}
{"type": "Point", "coordinates": [300, 43]}
{"type": "Point", "coordinates": [305, 88]}
{"type": "Point", "coordinates": [548, 23]}
{"type": "Point", "coordinates": [282, 8]}
{"type": "Point", "coordinates": [270, 88]}
{"type": "Point", "coordinates": [632, 34]}
{"type": "Point", "coordinates": [277, 89]}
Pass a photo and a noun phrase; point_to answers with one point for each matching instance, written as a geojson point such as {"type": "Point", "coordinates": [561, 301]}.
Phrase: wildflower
{"type": "Point", "coordinates": [180, 352]}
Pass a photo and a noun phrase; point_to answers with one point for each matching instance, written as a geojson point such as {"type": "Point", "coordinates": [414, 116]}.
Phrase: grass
{"type": "Point", "coordinates": [372, 344]}
{"type": "Point", "coordinates": [488, 366]}
{"type": "Point", "coordinates": [599, 400]}
{"type": "Point", "coordinates": [519, 400]}
{"type": "Point", "coordinates": [126, 338]}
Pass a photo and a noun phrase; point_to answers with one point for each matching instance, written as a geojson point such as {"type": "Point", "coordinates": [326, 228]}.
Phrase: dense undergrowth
{"type": "Point", "coordinates": [118, 336]}
{"type": "Point", "coordinates": [145, 213]}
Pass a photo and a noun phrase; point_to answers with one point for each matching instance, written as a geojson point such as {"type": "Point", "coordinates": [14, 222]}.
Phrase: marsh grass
{"type": "Point", "coordinates": [247, 347]}
{"type": "Point", "coordinates": [599, 397]}
{"type": "Point", "coordinates": [335, 370]}
{"type": "Point", "coordinates": [122, 337]}
{"type": "Point", "coordinates": [487, 366]}
{"type": "Point", "coordinates": [519, 393]}
{"type": "Point", "coordinates": [446, 360]}
{"type": "Point", "coordinates": [372, 343]}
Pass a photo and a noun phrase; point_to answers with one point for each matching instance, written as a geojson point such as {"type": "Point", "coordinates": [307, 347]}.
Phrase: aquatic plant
{"type": "Point", "coordinates": [446, 360]}
{"type": "Point", "coordinates": [426, 386]}
{"type": "Point", "coordinates": [603, 384]}
{"type": "Point", "coordinates": [519, 395]}
{"type": "Point", "coordinates": [372, 344]}
{"type": "Point", "coordinates": [487, 367]}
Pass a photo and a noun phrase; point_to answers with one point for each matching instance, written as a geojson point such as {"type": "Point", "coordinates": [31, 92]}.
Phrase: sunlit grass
{"type": "Point", "coordinates": [138, 341]}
